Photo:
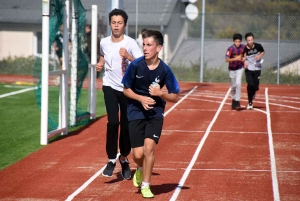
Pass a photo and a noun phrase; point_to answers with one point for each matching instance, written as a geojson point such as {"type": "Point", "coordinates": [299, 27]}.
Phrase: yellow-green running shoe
{"type": "Point", "coordinates": [137, 178]}
{"type": "Point", "coordinates": [146, 192]}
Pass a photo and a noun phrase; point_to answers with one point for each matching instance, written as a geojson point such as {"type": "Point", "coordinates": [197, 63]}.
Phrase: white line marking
{"type": "Point", "coordinates": [81, 188]}
{"type": "Point", "coordinates": [186, 95]}
{"type": "Point", "coordinates": [188, 170]}
{"type": "Point", "coordinates": [272, 154]}
{"type": "Point", "coordinates": [17, 92]}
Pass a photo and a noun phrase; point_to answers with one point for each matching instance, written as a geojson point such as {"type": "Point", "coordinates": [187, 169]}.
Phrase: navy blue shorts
{"type": "Point", "coordinates": [141, 129]}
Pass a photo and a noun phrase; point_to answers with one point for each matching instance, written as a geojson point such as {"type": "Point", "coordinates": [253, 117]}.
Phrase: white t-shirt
{"type": "Point", "coordinates": [113, 74]}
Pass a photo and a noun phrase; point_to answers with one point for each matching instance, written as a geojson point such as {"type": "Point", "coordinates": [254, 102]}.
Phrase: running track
{"type": "Point", "coordinates": [207, 152]}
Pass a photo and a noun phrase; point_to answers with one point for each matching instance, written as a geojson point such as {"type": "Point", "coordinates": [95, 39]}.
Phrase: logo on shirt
{"type": "Point", "coordinates": [139, 76]}
{"type": "Point", "coordinates": [157, 80]}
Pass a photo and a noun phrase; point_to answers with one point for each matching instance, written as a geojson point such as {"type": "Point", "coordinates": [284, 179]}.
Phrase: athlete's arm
{"type": "Point", "coordinates": [100, 64]}
{"type": "Point", "coordinates": [258, 57]}
{"type": "Point", "coordinates": [155, 90]}
{"type": "Point", "coordinates": [144, 100]}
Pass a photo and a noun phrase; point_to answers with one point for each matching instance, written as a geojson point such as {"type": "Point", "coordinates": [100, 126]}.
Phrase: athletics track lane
{"type": "Point", "coordinates": [60, 168]}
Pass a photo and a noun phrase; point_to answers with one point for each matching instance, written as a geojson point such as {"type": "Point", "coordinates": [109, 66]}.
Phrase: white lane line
{"type": "Point", "coordinates": [272, 154]}
{"type": "Point", "coordinates": [188, 170]}
{"type": "Point", "coordinates": [17, 92]}
{"type": "Point", "coordinates": [81, 188]}
{"type": "Point", "coordinates": [186, 95]}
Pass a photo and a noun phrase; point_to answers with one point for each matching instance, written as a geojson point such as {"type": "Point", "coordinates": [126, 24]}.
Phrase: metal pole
{"type": "Point", "coordinates": [93, 72]}
{"type": "Point", "coordinates": [136, 17]}
{"type": "Point", "coordinates": [202, 41]}
{"type": "Point", "coordinates": [278, 50]}
{"type": "Point", "coordinates": [45, 74]}
{"type": "Point", "coordinates": [73, 76]}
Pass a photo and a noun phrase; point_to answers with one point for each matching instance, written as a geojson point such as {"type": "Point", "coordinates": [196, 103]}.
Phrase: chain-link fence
{"type": "Point", "coordinates": [278, 34]}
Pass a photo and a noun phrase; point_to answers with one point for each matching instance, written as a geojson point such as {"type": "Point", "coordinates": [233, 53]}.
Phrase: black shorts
{"type": "Point", "coordinates": [141, 129]}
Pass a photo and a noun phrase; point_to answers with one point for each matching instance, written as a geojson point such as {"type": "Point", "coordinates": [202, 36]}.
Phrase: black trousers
{"type": "Point", "coordinates": [115, 101]}
{"type": "Point", "coordinates": [252, 78]}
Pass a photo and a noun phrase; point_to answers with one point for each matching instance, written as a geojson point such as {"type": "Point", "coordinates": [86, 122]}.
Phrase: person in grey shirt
{"type": "Point", "coordinates": [253, 53]}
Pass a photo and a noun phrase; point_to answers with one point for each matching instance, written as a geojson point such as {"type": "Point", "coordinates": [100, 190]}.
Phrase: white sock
{"type": "Point", "coordinates": [145, 184]}
{"type": "Point", "coordinates": [123, 161]}
{"type": "Point", "coordinates": [112, 160]}
{"type": "Point", "coordinates": [140, 168]}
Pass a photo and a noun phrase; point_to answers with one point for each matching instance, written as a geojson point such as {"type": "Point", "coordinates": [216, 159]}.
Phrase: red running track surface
{"type": "Point", "coordinates": [207, 152]}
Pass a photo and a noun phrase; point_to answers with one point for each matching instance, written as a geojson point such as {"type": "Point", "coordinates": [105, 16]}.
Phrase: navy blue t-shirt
{"type": "Point", "coordinates": [138, 78]}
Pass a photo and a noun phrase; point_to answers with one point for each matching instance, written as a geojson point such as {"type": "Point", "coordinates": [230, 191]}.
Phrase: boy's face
{"type": "Point", "coordinates": [237, 42]}
{"type": "Point", "coordinates": [250, 41]}
{"type": "Point", "coordinates": [150, 48]}
{"type": "Point", "coordinates": [117, 25]}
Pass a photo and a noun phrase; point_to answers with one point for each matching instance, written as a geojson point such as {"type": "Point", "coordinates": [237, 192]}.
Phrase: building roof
{"type": "Point", "coordinates": [154, 12]}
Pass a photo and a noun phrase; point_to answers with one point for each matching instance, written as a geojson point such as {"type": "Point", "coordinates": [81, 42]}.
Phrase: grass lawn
{"type": "Point", "coordinates": [20, 123]}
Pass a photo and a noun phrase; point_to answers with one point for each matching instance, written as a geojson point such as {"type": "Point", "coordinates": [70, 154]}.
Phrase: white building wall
{"type": "Point", "coordinates": [16, 43]}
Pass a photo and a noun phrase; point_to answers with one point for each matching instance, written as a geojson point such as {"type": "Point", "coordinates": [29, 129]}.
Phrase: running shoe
{"type": "Point", "coordinates": [126, 172]}
{"type": "Point", "coordinates": [137, 178]}
{"type": "Point", "coordinates": [146, 192]}
{"type": "Point", "coordinates": [108, 171]}
{"type": "Point", "coordinates": [233, 104]}
{"type": "Point", "coordinates": [250, 106]}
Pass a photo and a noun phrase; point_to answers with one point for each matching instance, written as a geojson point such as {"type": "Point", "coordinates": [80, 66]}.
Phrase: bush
{"type": "Point", "coordinates": [17, 65]}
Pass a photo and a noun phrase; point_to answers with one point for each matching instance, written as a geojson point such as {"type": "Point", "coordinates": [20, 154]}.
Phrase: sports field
{"type": "Point", "coordinates": [207, 152]}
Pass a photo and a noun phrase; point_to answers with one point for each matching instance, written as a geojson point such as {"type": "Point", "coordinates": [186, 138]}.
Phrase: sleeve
{"type": "Point", "coordinates": [135, 50]}
{"type": "Point", "coordinates": [171, 81]}
{"type": "Point", "coordinates": [101, 49]}
{"type": "Point", "coordinates": [228, 53]}
{"type": "Point", "coordinates": [129, 75]}
{"type": "Point", "coordinates": [261, 48]}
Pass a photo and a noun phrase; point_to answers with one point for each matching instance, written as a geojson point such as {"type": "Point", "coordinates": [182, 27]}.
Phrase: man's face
{"type": "Point", "coordinates": [250, 41]}
{"type": "Point", "coordinates": [237, 42]}
{"type": "Point", "coordinates": [150, 48]}
{"type": "Point", "coordinates": [117, 25]}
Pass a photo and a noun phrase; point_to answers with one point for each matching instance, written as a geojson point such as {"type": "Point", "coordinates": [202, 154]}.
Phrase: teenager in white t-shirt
{"type": "Point", "coordinates": [116, 51]}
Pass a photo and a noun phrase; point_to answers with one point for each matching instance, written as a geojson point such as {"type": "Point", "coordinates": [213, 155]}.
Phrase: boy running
{"type": "Point", "coordinates": [253, 53]}
{"type": "Point", "coordinates": [115, 52]}
{"type": "Point", "coordinates": [234, 58]}
{"type": "Point", "coordinates": [143, 81]}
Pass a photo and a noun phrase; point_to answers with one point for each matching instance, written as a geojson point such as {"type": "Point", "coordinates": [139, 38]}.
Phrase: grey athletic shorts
{"type": "Point", "coordinates": [141, 129]}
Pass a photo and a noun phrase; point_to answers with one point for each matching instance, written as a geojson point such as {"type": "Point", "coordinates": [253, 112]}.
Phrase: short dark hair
{"type": "Point", "coordinates": [118, 12]}
{"type": "Point", "coordinates": [249, 34]}
{"type": "Point", "coordinates": [237, 36]}
{"type": "Point", "coordinates": [158, 37]}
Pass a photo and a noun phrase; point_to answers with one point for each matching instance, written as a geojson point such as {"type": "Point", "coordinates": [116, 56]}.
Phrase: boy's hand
{"type": "Point", "coordinates": [123, 53]}
{"type": "Point", "coordinates": [147, 102]}
{"type": "Point", "coordinates": [99, 66]}
{"type": "Point", "coordinates": [154, 89]}
{"type": "Point", "coordinates": [246, 65]}
{"type": "Point", "coordinates": [238, 58]}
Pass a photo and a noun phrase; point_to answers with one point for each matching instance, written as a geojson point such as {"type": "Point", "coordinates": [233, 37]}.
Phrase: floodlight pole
{"type": "Point", "coordinates": [202, 41]}
{"type": "Point", "coordinates": [45, 73]}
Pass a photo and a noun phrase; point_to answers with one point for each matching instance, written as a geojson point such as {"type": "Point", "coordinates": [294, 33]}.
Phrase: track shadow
{"type": "Point", "coordinates": [76, 132]}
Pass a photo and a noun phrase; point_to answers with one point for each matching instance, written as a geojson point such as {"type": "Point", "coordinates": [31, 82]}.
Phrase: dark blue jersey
{"type": "Point", "coordinates": [138, 78]}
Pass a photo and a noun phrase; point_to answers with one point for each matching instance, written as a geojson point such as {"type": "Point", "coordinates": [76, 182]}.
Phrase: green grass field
{"type": "Point", "coordinates": [20, 123]}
